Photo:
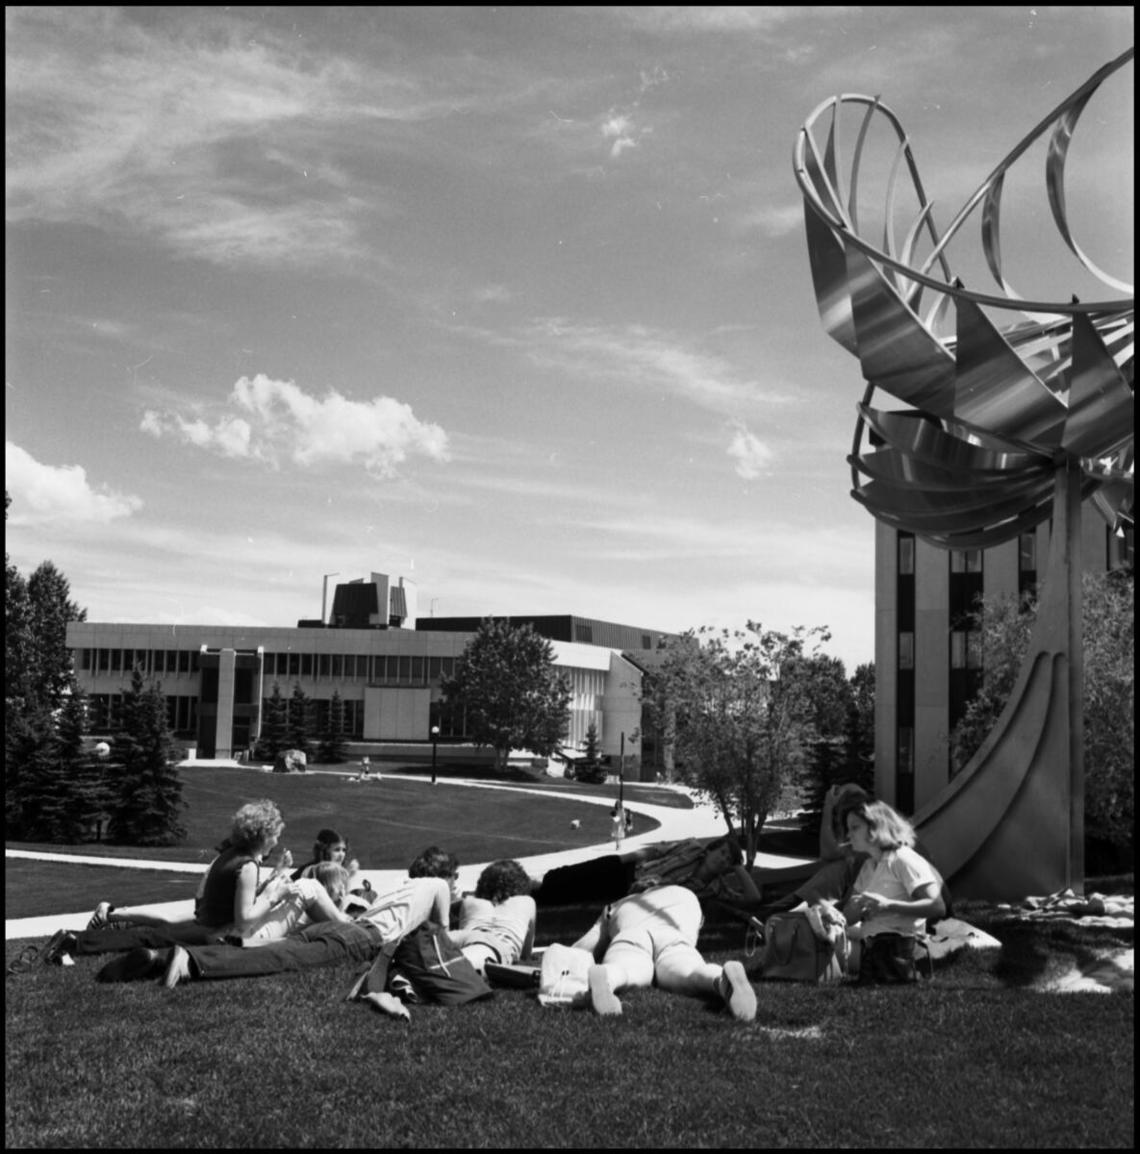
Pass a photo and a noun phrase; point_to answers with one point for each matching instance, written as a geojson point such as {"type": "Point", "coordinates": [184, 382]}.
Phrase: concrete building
{"type": "Point", "coordinates": [927, 660]}
{"type": "Point", "coordinates": [384, 662]}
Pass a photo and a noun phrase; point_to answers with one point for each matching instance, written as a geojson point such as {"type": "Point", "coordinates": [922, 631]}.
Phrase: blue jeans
{"type": "Point", "coordinates": [324, 944]}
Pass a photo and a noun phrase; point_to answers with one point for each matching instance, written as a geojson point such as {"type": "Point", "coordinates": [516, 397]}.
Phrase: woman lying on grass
{"type": "Point", "coordinates": [496, 923]}
{"type": "Point", "coordinates": [231, 900]}
{"type": "Point", "coordinates": [650, 938]}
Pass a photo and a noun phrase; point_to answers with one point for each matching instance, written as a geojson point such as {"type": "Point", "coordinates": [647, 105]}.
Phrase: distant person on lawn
{"type": "Point", "coordinates": [427, 894]}
{"type": "Point", "coordinates": [232, 899]}
{"type": "Point", "coordinates": [650, 938]}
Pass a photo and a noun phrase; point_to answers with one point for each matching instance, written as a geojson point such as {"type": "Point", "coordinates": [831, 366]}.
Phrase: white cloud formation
{"type": "Point", "coordinates": [642, 357]}
{"type": "Point", "coordinates": [753, 457]}
{"type": "Point", "coordinates": [42, 493]}
{"type": "Point", "coordinates": [620, 128]}
{"type": "Point", "coordinates": [278, 421]}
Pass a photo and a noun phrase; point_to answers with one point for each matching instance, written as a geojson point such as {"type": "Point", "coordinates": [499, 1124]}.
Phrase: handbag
{"type": "Point", "coordinates": [564, 977]}
{"type": "Point", "coordinates": [792, 949]}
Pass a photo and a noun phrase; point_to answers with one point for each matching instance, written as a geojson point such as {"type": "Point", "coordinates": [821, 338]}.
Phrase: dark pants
{"type": "Point", "coordinates": [324, 944]}
{"type": "Point", "coordinates": [118, 939]}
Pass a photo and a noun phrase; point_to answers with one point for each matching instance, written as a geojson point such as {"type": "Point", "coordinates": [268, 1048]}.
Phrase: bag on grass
{"type": "Point", "coordinates": [437, 969]}
{"type": "Point", "coordinates": [564, 977]}
{"type": "Point", "coordinates": [793, 950]}
{"type": "Point", "coordinates": [890, 959]}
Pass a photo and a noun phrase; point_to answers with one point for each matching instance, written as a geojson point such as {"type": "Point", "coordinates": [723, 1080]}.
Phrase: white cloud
{"type": "Point", "coordinates": [278, 421]}
{"type": "Point", "coordinates": [620, 128]}
{"type": "Point", "coordinates": [753, 458]}
{"type": "Point", "coordinates": [43, 493]}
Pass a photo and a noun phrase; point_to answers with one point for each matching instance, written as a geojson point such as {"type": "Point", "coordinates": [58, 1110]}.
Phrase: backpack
{"type": "Point", "coordinates": [437, 969]}
{"type": "Point", "coordinates": [791, 950]}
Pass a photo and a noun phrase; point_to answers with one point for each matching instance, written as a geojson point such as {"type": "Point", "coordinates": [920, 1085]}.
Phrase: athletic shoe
{"type": "Point", "coordinates": [61, 943]}
{"type": "Point", "coordinates": [403, 989]}
{"type": "Point", "coordinates": [602, 996]}
{"type": "Point", "coordinates": [178, 969]}
{"type": "Point", "coordinates": [388, 1004]}
{"type": "Point", "coordinates": [134, 966]}
{"type": "Point", "coordinates": [737, 992]}
{"type": "Point", "coordinates": [101, 918]}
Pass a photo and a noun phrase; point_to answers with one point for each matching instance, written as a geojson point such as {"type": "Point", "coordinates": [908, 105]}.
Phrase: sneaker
{"type": "Point", "coordinates": [61, 943]}
{"type": "Point", "coordinates": [24, 961]}
{"type": "Point", "coordinates": [388, 1004]}
{"type": "Point", "coordinates": [101, 918]}
{"type": "Point", "coordinates": [134, 966]}
{"type": "Point", "coordinates": [737, 992]}
{"type": "Point", "coordinates": [602, 996]}
{"type": "Point", "coordinates": [178, 968]}
{"type": "Point", "coordinates": [402, 988]}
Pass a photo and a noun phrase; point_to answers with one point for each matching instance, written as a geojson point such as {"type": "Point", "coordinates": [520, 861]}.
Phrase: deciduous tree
{"type": "Point", "coordinates": [737, 710]}
{"type": "Point", "coordinates": [514, 696]}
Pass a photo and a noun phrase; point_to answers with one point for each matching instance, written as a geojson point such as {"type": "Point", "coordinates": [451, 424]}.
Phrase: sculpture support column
{"type": "Point", "coordinates": [1067, 525]}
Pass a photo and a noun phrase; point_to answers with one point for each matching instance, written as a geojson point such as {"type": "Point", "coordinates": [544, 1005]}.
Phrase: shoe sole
{"type": "Point", "coordinates": [741, 997]}
{"type": "Point", "coordinates": [602, 997]}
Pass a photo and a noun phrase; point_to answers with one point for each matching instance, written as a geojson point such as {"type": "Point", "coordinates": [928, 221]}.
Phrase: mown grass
{"type": "Point", "coordinates": [283, 1062]}
{"type": "Point", "coordinates": [386, 822]}
{"type": "Point", "coordinates": [976, 1058]}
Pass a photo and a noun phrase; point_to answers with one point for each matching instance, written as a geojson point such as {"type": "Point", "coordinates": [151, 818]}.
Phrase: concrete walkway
{"type": "Point", "coordinates": [675, 824]}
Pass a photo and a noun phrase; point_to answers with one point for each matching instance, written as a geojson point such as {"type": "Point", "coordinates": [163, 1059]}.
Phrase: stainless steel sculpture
{"type": "Point", "coordinates": [1001, 428]}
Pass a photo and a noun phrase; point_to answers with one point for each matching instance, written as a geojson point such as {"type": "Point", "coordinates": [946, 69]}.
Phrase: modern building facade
{"type": "Point", "coordinates": [928, 662]}
{"type": "Point", "coordinates": [384, 664]}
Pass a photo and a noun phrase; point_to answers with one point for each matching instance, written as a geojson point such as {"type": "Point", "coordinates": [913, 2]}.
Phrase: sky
{"type": "Point", "coordinates": [511, 302]}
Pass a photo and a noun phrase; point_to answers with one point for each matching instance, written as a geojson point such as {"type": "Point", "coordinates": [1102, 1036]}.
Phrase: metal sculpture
{"type": "Point", "coordinates": [1004, 427]}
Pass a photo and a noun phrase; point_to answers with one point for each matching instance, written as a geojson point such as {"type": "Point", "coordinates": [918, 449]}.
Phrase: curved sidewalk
{"type": "Point", "coordinates": [674, 825]}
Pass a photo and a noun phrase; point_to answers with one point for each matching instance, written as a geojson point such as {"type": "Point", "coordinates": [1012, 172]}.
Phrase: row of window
{"type": "Point", "coordinates": [104, 711]}
{"type": "Point", "coordinates": [354, 667]}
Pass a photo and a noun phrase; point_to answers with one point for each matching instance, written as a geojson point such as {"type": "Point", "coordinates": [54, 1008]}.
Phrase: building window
{"type": "Point", "coordinates": [904, 770]}
{"type": "Point", "coordinates": [906, 650]}
{"type": "Point", "coordinates": [1027, 552]}
{"type": "Point", "coordinates": [417, 671]}
{"type": "Point", "coordinates": [906, 553]}
{"type": "Point", "coordinates": [584, 633]}
{"type": "Point", "coordinates": [965, 560]}
{"type": "Point", "coordinates": [338, 667]}
{"type": "Point", "coordinates": [323, 665]}
{"type": "Point", "coordinates": [306, 665]}
{"type": "Point", "coordinates": [361, 667]}
{"type": "Point", "coordinates": [646, 641]}
{"type": "Point", "coordinates": [433, 668]}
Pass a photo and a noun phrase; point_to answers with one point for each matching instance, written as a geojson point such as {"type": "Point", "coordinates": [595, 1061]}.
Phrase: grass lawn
{"type": "Point", "coordinates": [387, 824]}
{"type": "Point", "coordinates": [975, 1058]}
{"type": "Point", "coordinates": [963, 1061]}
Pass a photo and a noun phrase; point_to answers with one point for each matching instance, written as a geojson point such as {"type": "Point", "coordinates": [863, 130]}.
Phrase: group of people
{"type": "Point", "coordinates": [322, 913]}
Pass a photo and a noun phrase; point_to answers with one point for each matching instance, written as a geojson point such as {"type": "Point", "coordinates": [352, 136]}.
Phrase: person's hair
{"type": "Point", "coordinates": [255, 821]}
{"type": "Point", "coordinates": [334, 878]}
{"type": "Point", "coordinates": [729, 842]}
{"type": "Point", "coordinates": [434, 863]}
{"type": "Point", "coordinates": [885, 827]}
{"type": "Point", "coordinates": [501, 880]}
{"type": "Point", "coordinates": [326, 839]}
{"type": "Point", "coordinates": [854, 795]}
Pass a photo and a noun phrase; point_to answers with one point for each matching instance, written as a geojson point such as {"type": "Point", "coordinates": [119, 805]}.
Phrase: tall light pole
{"type": "Point", "coordinates": [621, 777]}
{"type": "Point", "coordinates": [325, 595]}
{"type": "Point", "coordinates": [434, 750]}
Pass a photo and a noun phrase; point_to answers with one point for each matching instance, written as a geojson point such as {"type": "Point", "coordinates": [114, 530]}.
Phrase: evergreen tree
{"type": "Point", "coordinates": [514, 696]}
{"type": "Point", "coordinates": [146, 802]}
{"type": "Point", "coordinates": [590, 769]}
{"type": "Point", "coordinates": [332, 749]}
{"type": "Point", "coordinates": [274, 727]}
{"type": "Point", "coordinates": [80, 772]}
{"type": "Point", "coordinates": [300, 720]}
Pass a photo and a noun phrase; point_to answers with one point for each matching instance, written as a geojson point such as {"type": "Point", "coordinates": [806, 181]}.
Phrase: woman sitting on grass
{"type": "Point", "coordinates": [496, 923]}
{"type": "Point", "coordinates": [895, 893]}
{"type": "Point", "coordinates": [230, 900]}
{"type": "Point", "coordinates": [331, 847]}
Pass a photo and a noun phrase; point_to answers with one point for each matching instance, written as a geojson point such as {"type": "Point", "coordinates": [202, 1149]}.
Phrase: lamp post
{"type": "Point", "coordinates": [621, 777]}
{"type": "Point", "coordinates": [325, 595]}
{"type": "Point", "coordinates": [434, 750]}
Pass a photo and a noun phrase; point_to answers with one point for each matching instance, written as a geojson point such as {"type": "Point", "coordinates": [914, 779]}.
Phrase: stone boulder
{"type": "Point", "coordinates": [290, 761]}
